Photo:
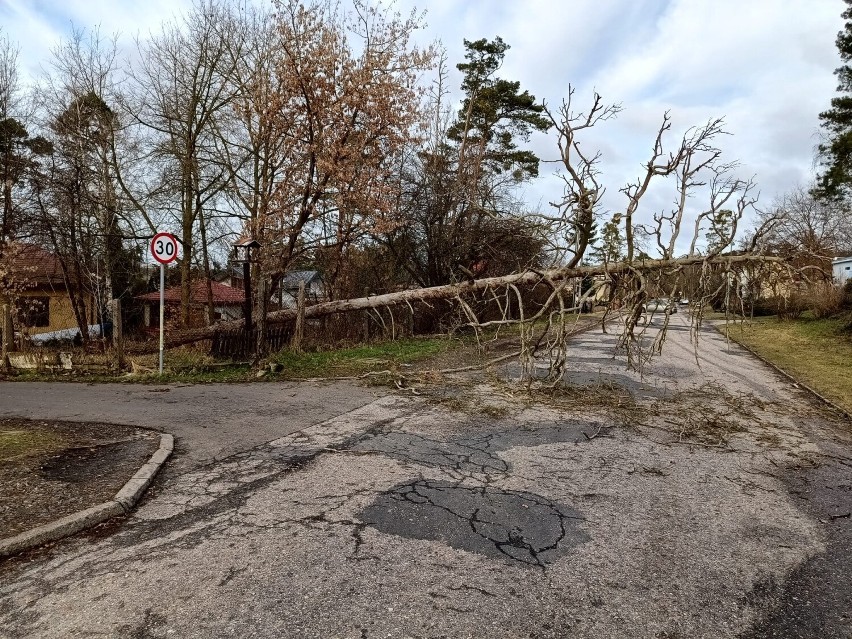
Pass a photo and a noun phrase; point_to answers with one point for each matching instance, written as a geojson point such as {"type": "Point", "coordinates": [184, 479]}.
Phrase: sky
{"type": "Point", "coordinates": [765, 66]}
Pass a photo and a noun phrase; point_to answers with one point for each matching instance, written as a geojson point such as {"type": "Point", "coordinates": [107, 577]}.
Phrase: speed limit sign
{"type": "Point", "coordinates": [164, 248]}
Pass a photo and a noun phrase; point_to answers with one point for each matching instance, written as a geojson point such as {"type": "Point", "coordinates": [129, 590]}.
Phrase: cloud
{"type": "Point", "coordinates": [766, 66]}
{"type": "Point", "coordinates": [31, 32]}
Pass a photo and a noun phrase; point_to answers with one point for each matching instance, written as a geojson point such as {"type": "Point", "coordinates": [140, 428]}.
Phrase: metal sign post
{"type": "Point", "coordinates": [162, 311]}
{"type": "Point", "coordinates": [164, 249]}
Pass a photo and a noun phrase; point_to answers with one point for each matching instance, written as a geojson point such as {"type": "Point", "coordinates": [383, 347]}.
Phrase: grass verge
{"type": "Point", "coordinates": [189, 367]}
{"type": "Point", "coordinates": [359, 360]}
{"type": "Point", "coordinates": [815, 351]}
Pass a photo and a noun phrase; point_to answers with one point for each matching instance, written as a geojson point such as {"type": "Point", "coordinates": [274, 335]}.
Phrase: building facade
{"type": "Point", "coordinates": [841, 269]}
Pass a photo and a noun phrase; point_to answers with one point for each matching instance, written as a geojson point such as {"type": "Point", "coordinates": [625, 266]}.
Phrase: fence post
{"type": "Point", "coordinates": [299, 330]}
{"type": "Point", "coordinates": [261, 324]}
{"type": "Point", "coordinates": [7, 338]}
{"type": "Point", "coordinates": [365, 319]}
{"type": "Point", "coordinates": [117, 334]}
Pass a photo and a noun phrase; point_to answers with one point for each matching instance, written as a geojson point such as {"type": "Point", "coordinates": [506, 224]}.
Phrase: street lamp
{"type": "Point", "coordinates": [243, 250]}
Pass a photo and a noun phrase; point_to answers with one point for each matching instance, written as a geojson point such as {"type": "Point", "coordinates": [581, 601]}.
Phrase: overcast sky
{"type": "Point", "coordinates": [766, 66]}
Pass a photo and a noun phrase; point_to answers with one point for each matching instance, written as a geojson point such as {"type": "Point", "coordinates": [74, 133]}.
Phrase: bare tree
{"type": "Point", "coordinates": [18, 153]}
{"type": "Point", "coordinates": [551, 311]}
{"type": "Point", "coordinates": [808, 231]}
{"type": "Point", "coordinates": [253, 144]}
{"type": "Point", "coordinates": [582, 187]}
{"type": "Point", "coordinates": [19, 149]}
{"type": "Point", "coordinates": [9, 82]}
{"type": "Point", "coordinates": [182, 86]}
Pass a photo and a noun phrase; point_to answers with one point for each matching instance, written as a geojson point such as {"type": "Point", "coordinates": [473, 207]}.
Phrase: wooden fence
{"type": "Point", "coordinates": [241, 343]}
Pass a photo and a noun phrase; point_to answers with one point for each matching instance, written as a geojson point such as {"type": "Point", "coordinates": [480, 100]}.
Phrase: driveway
{"type": "Point", "coordinates": [703, 499]}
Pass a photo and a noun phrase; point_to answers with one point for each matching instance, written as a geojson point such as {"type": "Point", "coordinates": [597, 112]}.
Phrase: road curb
{"type": "Point", "coordinates": [797, 382]}
{"type": "Point", "coordinates": [123, 502]}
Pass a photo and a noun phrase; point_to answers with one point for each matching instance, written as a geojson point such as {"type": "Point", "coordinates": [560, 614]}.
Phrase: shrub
{"type": "Point", "coordinates": [847, 295]}
{"type": "Point", "coordinates": [824, 299]}
{"type": "Point", "coordinates": [792, 306]}
{"type": "Point", "coordinates": [765, 306]}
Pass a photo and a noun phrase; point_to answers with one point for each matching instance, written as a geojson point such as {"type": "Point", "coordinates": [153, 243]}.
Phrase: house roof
{"type": "Point", "coordinates": [32, 264]}
{"type": "Point", "coordinates": [294, 278]}
{"type": "Point", "coordinates": [222, 295]}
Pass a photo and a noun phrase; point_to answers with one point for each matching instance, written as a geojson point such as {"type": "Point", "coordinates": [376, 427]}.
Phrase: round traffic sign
{"type": "Point", "coordinates": [164, 248]}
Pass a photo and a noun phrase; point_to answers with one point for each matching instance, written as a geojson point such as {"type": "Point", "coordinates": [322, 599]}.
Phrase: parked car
{"type": "Point", "coordinates": [661, 305]}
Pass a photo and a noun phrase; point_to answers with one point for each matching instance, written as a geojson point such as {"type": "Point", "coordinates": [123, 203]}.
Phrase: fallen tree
{"type": "Point", "coordinates": [623, 277]}
{"type": "Point", "coordinates": [556, 278]}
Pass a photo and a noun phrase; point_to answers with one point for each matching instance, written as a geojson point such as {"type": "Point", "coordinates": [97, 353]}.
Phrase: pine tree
{"type": "Point", "coordinates": [495, 113]}
{"type": "Point", "coordinates": [721, 232]}
{"type": "Point", "coordinates": [459, 191]}
{"type": "Point", "coordinates": [19, 153]}
{"type": "Point", "coordinates": [610, 247]}
{"type": "Point", "coordinates": [835, 179]}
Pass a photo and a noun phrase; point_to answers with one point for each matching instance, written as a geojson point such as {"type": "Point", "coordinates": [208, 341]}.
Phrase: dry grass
{"type": "Point", "coordinates": [814, 351]}
{"type": "Point", "coordinates": [16, 441]}
{"type": "Point", "coordinates": [496, 398]}
{"type": "Point", "coordinates": [464, 394]}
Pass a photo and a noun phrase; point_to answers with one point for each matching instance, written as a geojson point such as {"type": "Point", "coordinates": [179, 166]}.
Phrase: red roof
{"type": "Point", "coordinates": [222, 295]}
{"type": "Point", "coordinates": [32, 264]}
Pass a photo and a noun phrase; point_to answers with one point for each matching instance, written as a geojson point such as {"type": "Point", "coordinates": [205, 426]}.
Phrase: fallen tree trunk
{"type": "Point", "coordinates": [448, 291]}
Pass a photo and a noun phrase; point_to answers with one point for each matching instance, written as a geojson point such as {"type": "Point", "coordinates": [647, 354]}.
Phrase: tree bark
{"type": "Point", "coordinates": [261, 323]}
{"type": "Point", "coordinates": [205, 261]}
{"type": "Point", "coordinates": [186, 264]}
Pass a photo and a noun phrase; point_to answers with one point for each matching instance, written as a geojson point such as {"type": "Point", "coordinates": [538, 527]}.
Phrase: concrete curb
{"type": "Point", "coordinates": [121, 504]}
{"type": "Point", "coordinates": [798, 383]}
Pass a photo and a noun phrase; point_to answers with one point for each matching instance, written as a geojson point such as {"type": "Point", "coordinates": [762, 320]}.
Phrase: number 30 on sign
{"type": "Point", "coordinates": [164, 248]}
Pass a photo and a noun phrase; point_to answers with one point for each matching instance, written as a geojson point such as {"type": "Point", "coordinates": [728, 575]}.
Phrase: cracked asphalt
{"type": "Point", "coordinates": [708, 501]}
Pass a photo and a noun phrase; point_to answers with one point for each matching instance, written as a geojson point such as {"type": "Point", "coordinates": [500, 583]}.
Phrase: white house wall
{"type": "Point", "coordinates": [842, 271]}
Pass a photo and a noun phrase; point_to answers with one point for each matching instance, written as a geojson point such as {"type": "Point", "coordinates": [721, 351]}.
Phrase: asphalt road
{"type": "Point", "coordinates": [209, 421]}
{"type": "Point", "coordinates": [705, 498]}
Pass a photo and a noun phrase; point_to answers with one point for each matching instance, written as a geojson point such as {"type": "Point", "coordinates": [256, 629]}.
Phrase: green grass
{"type": "Point", "coordinates": [814, 351]}
{"type": "Point", "coordinates": [358, 360]}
